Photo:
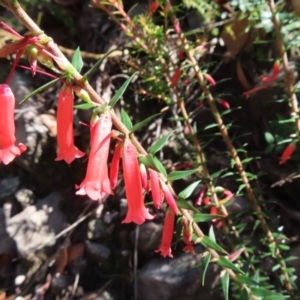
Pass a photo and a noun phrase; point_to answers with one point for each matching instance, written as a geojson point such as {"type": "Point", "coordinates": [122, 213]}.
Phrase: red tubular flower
{"type": "Point", "coordinates": [224, 103]}
{"type": "Point", "coordinates": [137, 212]}
{"type": "Point", "coordinates": [169, 198]}
{"type": "Point", "coordinates": [114, 168]}
{"type": "Point", "coordinates": [201, 195]}
{"type": "Point", "coordinates": [276, 68]}
{"type": "Point", "coordinates": [287, 153]}
{"type": "Point", "coordinates": [153, 5]}
{"type": "Point", "coordinates": [65, 138]}
{"type": "Point", "coordinates": [187, 234]}
{"type": "Point", "coordinates": [96, 183]}
{"type": "Point", "coordinates": [167, 236]}
{"type": "Point", "coordinates": [155, 189]}
{"type": "Point", "coordinates": [144, 177]}
{"type": "Point", "coordinates": [8, 150]}
{"type": "Point", "coordinates": [177, 27]}
{"type": "Point", "coordinates": [176, 77]}
{"type": "Point", "coordinates": [210, 79]}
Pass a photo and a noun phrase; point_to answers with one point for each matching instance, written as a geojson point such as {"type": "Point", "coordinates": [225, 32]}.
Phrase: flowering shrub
{"type": "Point", "coordinates": [172, 77]}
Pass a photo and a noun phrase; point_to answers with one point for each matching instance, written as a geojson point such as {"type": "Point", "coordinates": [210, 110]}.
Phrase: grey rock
{"type": "Point", "coordinates": [36, 226]}
{"type": "Point", "coordinates": [149, 237]}
{"type": "Point", "coordinates": [7, 244]}
{"type": "Point", "coordinates": [237, 205]}
{"type": "Point", "coordinates": [176, 279]}
{"type": "Point", "coordinates": [96, 229]}
{"type": "Point", "coordinates": [8, 186]}
{"type": "Point", "coordinates": [97, 252]}
{"type": "Point", "coordinates": [60, 283]}
{"type": "Point", "coordinates": [25, 197]}
{"type": "Point", "coordinates": [29, 126]}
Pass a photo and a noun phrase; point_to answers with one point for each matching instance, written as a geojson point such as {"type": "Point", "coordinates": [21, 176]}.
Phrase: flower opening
{"type": "Point", "coordinates": [137, 212]}
{"type": "Point", "coordinates": [96, 183]}
{"type": "Point", "coordinates": [167, 235]}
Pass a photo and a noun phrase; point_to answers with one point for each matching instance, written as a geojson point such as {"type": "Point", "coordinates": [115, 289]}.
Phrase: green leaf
{"type": "Point", "coordinates": [159, 166]}
{"type": "Point", "coordinates": [269, 138]}
{"type": "Point", "coordinates": [185, 205]}
{"type": "Point", "coordinates": [246, 280]}
{"type": "Point", "coordinates": [148, 161]}
{"type": "Point", "coordinates": [256, 276]}
{"type": "Point", "coordinates": [276, 297]}
{"type": "Point", "coordinates": [211, 234]}
{"type": "Point", "coordinates": [38, 90]}
{"type": "Point", "coordinates": [143, 123]}
{"type": "Point", "coordinates": [266, 294]}
{"type": "Point", "coordinates": [125, 119]}
{"type": "Point", "coordinates": [97, 64]}
{"type": "Point", "coordinates": [176, 175]}
{"type": "Point", "coordinates": [244, 295]}
{"type": "Point", "coordinates": [205, 217]}
{"type": "Point", "coordinates": [205, 263]}
{"type": "Point", "coordinates": [208, 243]}
{"type": "Point", "coordinates": [160, 143]}
{"type": "Point", "coordinates": [77, 61]}
{"type": "Point", "coordinates": [224, 262]}
{"type": "Point", "coordinates": [188, 191]}
{"type": "Point", "coordinates": [84, 106]}
{"type": "Point", "coordinates": [225, 284]}
{"type": "Point", "coordinates": [120, 91]}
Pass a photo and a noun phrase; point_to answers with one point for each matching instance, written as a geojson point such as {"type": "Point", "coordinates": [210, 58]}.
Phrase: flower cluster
{"type": "Point", "coordinates": [99, 181]}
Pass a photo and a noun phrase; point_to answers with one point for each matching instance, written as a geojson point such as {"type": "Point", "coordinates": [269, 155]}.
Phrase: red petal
{"type": "Point", "coordinates": [287, 153]}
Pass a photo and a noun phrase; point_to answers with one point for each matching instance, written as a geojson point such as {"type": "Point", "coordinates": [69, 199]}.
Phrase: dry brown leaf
{"type": "Point", "coordinates": [75, 251]}
{"type": "Point", "coordinates": [61, 261]}
{"type": "Point", "coordinates": [235, 36]}
{"type": "Point", "coordinates": [242, 77]}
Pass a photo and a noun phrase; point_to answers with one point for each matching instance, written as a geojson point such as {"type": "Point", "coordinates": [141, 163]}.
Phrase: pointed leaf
{"type": "Point", "coordinates": [205, 262]}
{"type": "Point", "coordinates": [84, 106]}
{"type": "Point", "coordinates": [120, 91]}
{"type": "Point", "coordinates": [262, 292]}
{"type": "Point", "coordinates": [244, 295]}
{"type": "Point", "coordinates": [38, 90]}
{"type": "Point", "coordinates": [160, 143]}
{"type": "Point", "coordinates": [77, 61]}
{"type": "Point", "coordinates": [97, 64]}
{"type": "Point", "coordinates": [148, 161]}
{"type": "Point", "coordinates": [176, 175]}
{"type": "Point", "coordinates": [159, 166]}
{"type": "Point", "coordinates": [211, 234]}
{"type": "Point", "coordinates": [225, 284]}
{"type": "Point", "coordinates": [188, 191]}
{"type": "Point", "coordinates": [276, 297]}
{"type": "Point", "coordinates": [246, 280]}
{"type": "Point", "coordinates": [125, 119]}
{"type": "Point", "coordinates": [208, 243]}
{"type": "Point", "coordinates": [143, 123]}
{"type": "Point", "coordinates": [269, 137]}
{"type": "Point", "coordinates": [224, 262]}
{"type": "Point", "coordinates": [205, 217]}
{"type": "Point", "coordinates": [256, 276]}
{"type": "Point", "coordinates": [185, 205]}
